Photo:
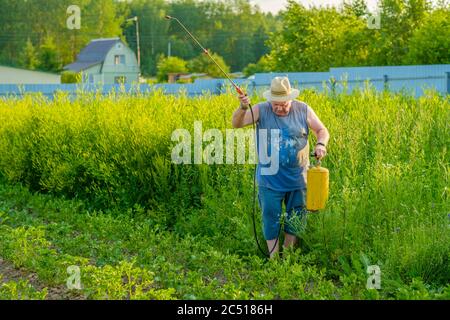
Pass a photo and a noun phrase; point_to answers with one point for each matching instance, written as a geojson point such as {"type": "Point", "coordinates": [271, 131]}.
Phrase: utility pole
{"type": "Point", "coordinates": [136, 19]}
{"type": "Point", "coordinates": [138, 44]}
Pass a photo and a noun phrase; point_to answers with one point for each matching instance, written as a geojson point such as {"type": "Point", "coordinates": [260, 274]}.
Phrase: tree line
{"type": "Point", "coordinates": [34, 34]}
{"type": "Point", "coordinates": [405, 32]}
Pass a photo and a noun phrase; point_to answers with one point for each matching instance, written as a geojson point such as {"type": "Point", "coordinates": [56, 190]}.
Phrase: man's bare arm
{"type": "Point", "coordinates": [318, 128]}
{"type": "Point", "coordinates": [320, 131]}
{"type": "Point", "coordinates": [243, 117]}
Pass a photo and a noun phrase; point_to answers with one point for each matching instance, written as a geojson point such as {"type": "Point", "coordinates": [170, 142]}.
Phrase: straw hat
{"type": "Point", "coordinates": [280, 90]}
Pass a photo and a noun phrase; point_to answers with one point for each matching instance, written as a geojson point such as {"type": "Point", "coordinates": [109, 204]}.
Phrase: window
{"type": "Point", "coordinates": [119, 59]}
{"type": "Point", "coordinates": [120, 79]}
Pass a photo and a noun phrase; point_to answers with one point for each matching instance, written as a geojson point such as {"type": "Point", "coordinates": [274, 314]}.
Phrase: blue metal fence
{"type": "Point", "coordinates": [413, 79]}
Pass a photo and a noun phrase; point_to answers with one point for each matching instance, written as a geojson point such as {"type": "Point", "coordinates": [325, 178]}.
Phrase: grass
{"type": "Point", "coordinates": [90, 183]}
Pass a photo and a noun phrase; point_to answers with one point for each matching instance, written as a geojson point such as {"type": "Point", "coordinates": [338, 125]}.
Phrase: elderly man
{"type": "Point", "coordinates": [293, 119]}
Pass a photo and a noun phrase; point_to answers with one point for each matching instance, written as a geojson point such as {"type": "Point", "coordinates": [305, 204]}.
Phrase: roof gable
{"type": "Point", "coordinates": [94, 53]}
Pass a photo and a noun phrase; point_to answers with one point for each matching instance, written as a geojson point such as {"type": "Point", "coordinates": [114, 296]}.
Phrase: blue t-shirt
{"type": "Point", "coordinates": [290, 138]}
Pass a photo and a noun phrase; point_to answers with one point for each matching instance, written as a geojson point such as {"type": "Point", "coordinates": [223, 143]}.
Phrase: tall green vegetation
{"type": "Point", "coordinates": [388, 161]}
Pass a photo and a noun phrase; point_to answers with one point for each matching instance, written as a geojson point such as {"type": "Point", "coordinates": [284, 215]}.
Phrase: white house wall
{"type": "Point", "coordinates": [10, 75]}
{"type": "Point", "coordinates": [129, 70]}
{"type": "Point", "coordinates": [95, 72]}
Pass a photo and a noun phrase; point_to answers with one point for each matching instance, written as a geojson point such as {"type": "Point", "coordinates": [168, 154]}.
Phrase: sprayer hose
{"type": "Point", "coordinates": [254, 201]}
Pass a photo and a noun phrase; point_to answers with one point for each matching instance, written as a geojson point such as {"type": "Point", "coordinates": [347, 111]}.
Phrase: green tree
{"type": "Point", "coordinates": [153, 32]}
{"type": "Point", "coordinates": [263, 65]}
{"type": "Point", "coordinates": [38, 20]}
{"type": "Point", "coordinates": [288, 44]}
{"type": "Point", "coordinates": [13, 30]}
{"type": "Point", "coordinates": [356, 7]}
{"type": "Point", "coordinates": [28, 57]}
{"type": "Point", "coordinates": [317, 39]}
{"type": "Point", "coordinates": [430, 44]}
{"type": "Point", "coordinates": [48, 56]}
{"type": "Point", "coordinates": [234, 29]}
{"type": "Point", "coordinates": [203, 64]}
{"type": "Point", "coordinates": [168, 65]}
{"type": "Point", "coordinates": [335, 40]}
{"type": "Point", "coordinates": [399, 18]}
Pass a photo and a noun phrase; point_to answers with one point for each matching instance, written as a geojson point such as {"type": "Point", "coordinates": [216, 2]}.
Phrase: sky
{"type": "Point", "coordinates": [276, 5]}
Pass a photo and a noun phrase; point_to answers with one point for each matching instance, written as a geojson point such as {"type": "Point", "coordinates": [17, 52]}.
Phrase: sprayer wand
{"type": "Point", "coordinates": [205, 51]}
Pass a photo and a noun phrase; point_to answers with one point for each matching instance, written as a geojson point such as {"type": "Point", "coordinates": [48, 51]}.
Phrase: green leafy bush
{"type": "Point", "coordinates": [20, 290]}
{"type": "Point", "coordinates": [168, 65]}
{"type": "Point", "coordinates": [70, 77]}
{"type": "Point", "coordinates": [203, 64]}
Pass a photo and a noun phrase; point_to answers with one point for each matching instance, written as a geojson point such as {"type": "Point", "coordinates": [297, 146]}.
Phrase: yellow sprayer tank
{"type": "Point", "coordinates": [317, 187]}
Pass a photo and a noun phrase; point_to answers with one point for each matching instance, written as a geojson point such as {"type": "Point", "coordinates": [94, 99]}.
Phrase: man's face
{"type": "Point", "coordinates": [281, 108]}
